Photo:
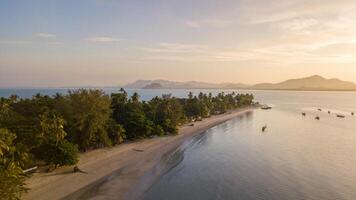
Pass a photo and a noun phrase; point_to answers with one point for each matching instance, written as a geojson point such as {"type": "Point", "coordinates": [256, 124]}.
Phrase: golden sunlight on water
{"type": "Point", "coordinates": [296, 158]}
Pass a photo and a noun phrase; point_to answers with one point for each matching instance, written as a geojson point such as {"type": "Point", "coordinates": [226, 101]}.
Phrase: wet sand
{"type": "Point", "coordinates": [118, 172]}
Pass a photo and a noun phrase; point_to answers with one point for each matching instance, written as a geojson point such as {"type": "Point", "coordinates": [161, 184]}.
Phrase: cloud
{"type": "Point", "coordinates": [276, 11]}
{"type": "Point", "coordinates": [45, 35]}
{"type": "Point", "coordinates": [15, 42]}
{"type": "Point", "coordinates": [54, 43]}
{"type": "Point", "coordinates": [196, 53]}
{"type": "Point", "coordinates": [103, 39]}
{"type": "Point", "coordinates": [338, 49]}
{"type": "Point", "coordinates": [281, 54]}
{"type": "Point", "coordinates": [282, 32]}
{"type": "Point", "coordinates": [180, 48]}
{"type": "Point", "coordinates": [215, 23]}
{"type": "Point", "coordinates": [303, 31]}
{"type": "Point", "coordinates": [298, 24]}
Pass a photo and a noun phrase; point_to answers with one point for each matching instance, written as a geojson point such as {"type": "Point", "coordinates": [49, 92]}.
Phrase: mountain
{"type": "Point", "coordinates": [315, 82]}
{"type": "Point", "coordinates": [153, 86]}
{"type": "Point", "coordinates": [139, 84]}
{"type": "Point", "coordinates": [164, 84]}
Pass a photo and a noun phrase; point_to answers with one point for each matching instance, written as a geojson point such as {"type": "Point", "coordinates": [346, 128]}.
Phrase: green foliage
{"type": "Point", "coordinates": [167, 112]}
{"type": "Point", "coordinates": [158, 130]}
{"type": "Point", "coordinates": [116, 133]}
{"type": "Point", "coordinates": [52, 129]}
{"type": "Point", "coordinates": [131, 115]}
{"type": "Point", "coordinates": [194, 108]}
{"type": "Point", "coordinates": [136, 123]}
{"type": "Point", "coordinates": [88, 117]}
{"type": "Point", "coordinates": [60, 153]}
{"type": "Point", "coordinates": [12, 180]}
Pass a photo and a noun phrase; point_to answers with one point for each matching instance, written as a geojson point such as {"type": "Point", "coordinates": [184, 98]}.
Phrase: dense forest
{"type": "Point", "coordinates": [52, 130]}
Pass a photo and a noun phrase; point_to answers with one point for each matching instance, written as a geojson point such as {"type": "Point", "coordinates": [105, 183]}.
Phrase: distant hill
{"type": "Point", "coordinates": [153, 86]}
{"type": "Point", "coordinates": [148, 84]}
{"type": "Point", "coordinates": [312, 83]}
{"type": "Point", "coordinates": [315, 82]}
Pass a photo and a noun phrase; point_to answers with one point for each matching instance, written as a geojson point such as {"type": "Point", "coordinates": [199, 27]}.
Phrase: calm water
{"type": "Point", "coordinates": [144, 94]}
{"type": "Point", "coordinates": [296, 158]}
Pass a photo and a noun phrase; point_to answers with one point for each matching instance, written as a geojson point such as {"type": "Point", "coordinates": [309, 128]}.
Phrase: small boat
{"type": "Point", "coordinates": [340, 116]}
{"type": "Point", "coordinates": [317, 118]}
{"type": "Point", "coordinates": [352, 113]}
{"type": "Point", "coordinates": [304, 114]}
{"type": "Point", "coordinates": [329, 112]}
{"type": "Point", "coordinates": [264, 128]}
{"type": "Point", "coordinates": [266, 107]}
{"type": "Point", "coordinates": [320, 109]}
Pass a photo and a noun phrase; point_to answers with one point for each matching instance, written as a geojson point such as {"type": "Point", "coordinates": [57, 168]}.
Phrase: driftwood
{"type": "Point", "coordinates": [76, 170]}
{"type": "Point", "coordinates": [30, 169]}
{"type": "Point", "coordinates": [139, 150]}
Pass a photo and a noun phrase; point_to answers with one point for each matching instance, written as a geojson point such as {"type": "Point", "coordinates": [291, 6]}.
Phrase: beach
{"type": "Point", "coordinates": [125, 166]}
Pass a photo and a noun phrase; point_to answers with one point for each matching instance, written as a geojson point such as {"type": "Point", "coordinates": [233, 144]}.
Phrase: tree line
{"type": "Point", "coordinates": [52, 130]}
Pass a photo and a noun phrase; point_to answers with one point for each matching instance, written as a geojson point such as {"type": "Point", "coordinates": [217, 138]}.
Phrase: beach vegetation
{"type": "Point", "coordinates": [12, 178]}
{"type": "Point", "coordinates": [54, 129]}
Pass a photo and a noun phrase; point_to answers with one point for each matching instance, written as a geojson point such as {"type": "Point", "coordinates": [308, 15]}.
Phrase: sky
{"type": "Point", "coordinates": [54, 43]}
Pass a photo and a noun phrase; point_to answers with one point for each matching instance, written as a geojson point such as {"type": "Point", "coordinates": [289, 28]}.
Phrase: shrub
{"type": "Point", "coordinates": [12, 180]}
{"type": "Point", "coordinates": [63, 153]}
{"type": "Point", "coordinates": [158, 130]}
{"type": "Point", "coordinates": [116, 133]}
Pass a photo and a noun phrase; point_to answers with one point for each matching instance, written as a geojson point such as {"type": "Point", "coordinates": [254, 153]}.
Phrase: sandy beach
{"type": "Point", "coordinates": [124, 165]}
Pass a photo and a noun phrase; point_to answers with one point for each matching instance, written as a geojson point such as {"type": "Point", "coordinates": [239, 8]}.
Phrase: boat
{"type": "Point", "coordinates": [304, 114]}
{"type": "Point", "coordinates": [340, 116]}
{"type": "Point", "coordinates": [317, 118]}
{"type": "Point", "coordinates": [266, 107]}
{"type": "Point", "coordinates": [264, 128]}
{"type": "Point", "coordinates": [320, 109]}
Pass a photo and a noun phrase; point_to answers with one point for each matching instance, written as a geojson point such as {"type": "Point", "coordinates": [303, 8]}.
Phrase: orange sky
{"type": "Point", "coordinates": [92, 42]}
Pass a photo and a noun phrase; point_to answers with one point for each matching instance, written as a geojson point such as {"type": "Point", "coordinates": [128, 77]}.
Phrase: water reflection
{"type": "Point", "coordinates": [296, 158]}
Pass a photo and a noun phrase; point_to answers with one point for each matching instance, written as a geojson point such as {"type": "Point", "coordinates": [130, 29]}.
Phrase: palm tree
{"type": "Point", "coordinates": [135, 97]}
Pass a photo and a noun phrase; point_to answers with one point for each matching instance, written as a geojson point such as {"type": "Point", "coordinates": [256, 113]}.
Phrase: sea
{"type": "Point", "coordinates": [297, 157]}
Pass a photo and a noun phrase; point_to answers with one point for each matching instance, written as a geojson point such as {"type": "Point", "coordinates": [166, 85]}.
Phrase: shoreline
{"type": "Point", "coordinates": [117, 172]}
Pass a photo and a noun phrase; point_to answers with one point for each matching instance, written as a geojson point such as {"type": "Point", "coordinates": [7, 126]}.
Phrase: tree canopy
{"type": "Point", "coordinates": [53, 129]}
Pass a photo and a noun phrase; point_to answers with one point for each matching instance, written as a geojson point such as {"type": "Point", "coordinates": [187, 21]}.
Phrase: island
{"type": "Point", "coordinates": [153, 86]}
{"type": "Point", "coordinates": [311, 83]}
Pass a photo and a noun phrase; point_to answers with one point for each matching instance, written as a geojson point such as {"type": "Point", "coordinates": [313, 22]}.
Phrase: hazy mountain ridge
{"type": "Point", "coordinates": [147, 84]}
{"type": "Point", "coordinates": [153, 86]}
{"type": "Point", "coordinates": [309, 83]}
{"type": "Point", "coordinates": [315, 82]}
